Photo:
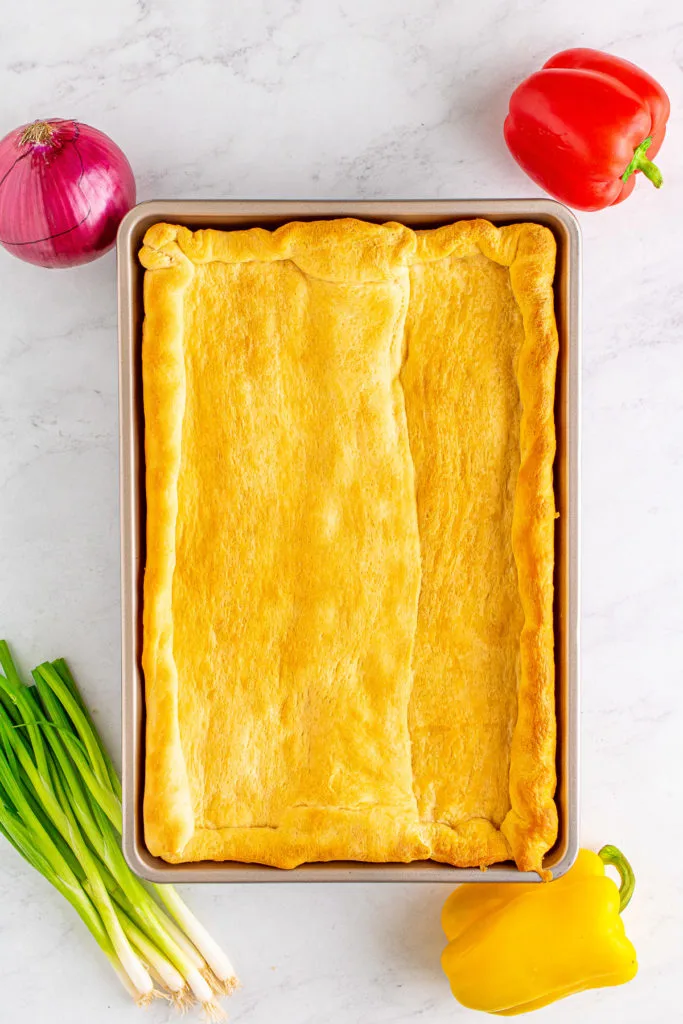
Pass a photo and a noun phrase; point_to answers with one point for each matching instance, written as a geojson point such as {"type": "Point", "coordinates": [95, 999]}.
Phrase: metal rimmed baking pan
{"type": "Point", "coordinates": [425, 213]}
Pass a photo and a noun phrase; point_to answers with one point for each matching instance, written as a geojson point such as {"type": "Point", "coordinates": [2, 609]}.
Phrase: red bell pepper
{"type": "Point", "coordinates": [585, 124]}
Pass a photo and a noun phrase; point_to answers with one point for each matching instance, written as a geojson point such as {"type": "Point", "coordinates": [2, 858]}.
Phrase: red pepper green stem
{"type": "Point", "coordinates": [640, 162]}
{"type": "Point", "coordinates": [611, 855]}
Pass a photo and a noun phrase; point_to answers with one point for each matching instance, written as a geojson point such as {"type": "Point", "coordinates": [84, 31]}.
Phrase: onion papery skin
{"type": "Point", "coordinates": [64, 188]}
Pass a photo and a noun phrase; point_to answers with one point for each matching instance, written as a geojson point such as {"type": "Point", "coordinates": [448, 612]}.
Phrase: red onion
{"type": "Point", "coordinates": [64, 188]}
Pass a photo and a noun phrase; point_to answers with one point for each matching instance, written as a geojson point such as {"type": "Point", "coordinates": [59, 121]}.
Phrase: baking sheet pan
{"type": "Point", "coordinates": [424, 213]}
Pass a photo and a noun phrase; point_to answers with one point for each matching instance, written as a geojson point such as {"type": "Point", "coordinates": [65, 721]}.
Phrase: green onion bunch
{"type": "Point", "coordinates": [60, 807]}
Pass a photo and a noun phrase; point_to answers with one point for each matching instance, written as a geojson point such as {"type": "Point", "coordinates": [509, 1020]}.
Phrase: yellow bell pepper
{"type": "Point", "coordinates": [514, 948]}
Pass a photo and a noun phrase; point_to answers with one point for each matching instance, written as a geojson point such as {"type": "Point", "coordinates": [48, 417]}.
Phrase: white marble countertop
{"type": "Point", "coordinates": [360, 98]}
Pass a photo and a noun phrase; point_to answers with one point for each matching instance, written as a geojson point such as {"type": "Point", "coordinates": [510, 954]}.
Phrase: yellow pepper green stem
{"type": "Point", "coordinates": [612, 855]}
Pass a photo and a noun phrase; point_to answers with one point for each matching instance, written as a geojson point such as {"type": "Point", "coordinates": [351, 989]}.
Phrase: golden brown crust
{"type": "Point", "coordinates": [167, 807]}
{"type": "Point", "coordinates": [531, 825]}
{"type": "Point", "coordinates": [484, 605]}
{"type": "Point", "coordinates": [363, 263]}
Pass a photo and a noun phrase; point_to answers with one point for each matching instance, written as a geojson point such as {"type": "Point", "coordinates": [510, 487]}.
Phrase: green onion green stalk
{"type": "Point", "coordinates": [60, 807]}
